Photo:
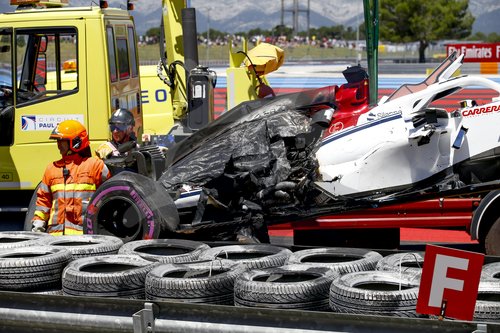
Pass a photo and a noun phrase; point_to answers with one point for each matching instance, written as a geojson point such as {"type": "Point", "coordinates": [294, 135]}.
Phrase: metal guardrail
{"type": "Point", "coordinates": [23, 312]}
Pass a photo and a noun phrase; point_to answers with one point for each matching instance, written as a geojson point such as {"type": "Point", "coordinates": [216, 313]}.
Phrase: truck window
{"type": "Point", "coordinates": [123, 62]}
{"type": "Point", "coordinates": [111, 54]}
{"type": "Point", "coordinates": [133, 55]}
{"type": "Point", "coordinates": [6, 89]}
{"type": "Point", "coordinates": [42, 57]}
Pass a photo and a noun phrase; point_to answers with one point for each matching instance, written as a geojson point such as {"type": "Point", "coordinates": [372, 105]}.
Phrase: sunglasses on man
{"type": "Point", "coordinates": [117, 127]}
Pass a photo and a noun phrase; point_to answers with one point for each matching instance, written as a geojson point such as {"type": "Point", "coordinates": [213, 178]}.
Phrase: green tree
{"type": "Point", "coordinates": [424, 21]}
{"type": "Point", "coordinates": [153, 32]}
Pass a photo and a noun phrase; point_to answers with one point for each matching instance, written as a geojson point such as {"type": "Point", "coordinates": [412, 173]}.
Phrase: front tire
{"type": "Point", "coordinates": [132, 207]}
{"type": "Point", "coordinates": [492, 240]}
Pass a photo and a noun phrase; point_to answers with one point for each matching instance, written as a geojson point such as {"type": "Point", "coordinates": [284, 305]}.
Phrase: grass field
{"type": "Point", "coordinates": [220, 53]}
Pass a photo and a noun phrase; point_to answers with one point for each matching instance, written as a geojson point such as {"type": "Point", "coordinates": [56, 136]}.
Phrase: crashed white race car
{"type": "Point", "coordinates": [268, 161]}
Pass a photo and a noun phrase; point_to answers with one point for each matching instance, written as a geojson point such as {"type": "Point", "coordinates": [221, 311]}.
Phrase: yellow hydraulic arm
{"type": "Point", "coordinates": [174, 54]}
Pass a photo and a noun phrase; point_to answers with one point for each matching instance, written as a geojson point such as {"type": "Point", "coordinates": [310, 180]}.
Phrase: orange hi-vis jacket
{"type": "Point", "coordinates": [62, 195]}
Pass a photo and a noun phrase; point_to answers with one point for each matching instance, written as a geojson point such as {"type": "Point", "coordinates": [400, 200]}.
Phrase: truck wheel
{"type": "Point", "coordinates": [342, 260]}
{"type": "Point", "coordinates": [251, 255]}
{"type": "Point", "coordinates": [130, 206]}
{"type": "Point", "coordinates": [165, 250]}
{"type": "Point", "coordinates": [206, 282]}
{"type": "Point", "coordinates": [108, 276]}
{"type": "Point", "coordinates": [375, 293]}
{"type": "Point", "coordinates": [286, 287]}
{"type": "Point", "coordinates": [492, 240]}
{"type": "Point", "coordinates": [87, 245]}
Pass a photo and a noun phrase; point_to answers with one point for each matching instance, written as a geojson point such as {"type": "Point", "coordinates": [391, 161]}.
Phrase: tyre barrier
{"type": "Point", "coordinates": [14, 239]}
{"type": "Point", "coordinates": [204, 282]}
{"type": "Point", "coordinates": [251, 255]}
{"type": "Point", "coordinates": [342, 260]}
{"type": "Point", "coordinates": [86, 245]}
{"type": "Point", "coordinates": [377, 293]}
{"type": "Point", "coordinates": [165, 250]}
{"type": "Point", "coordinates": [33, 268]}
{"type": "Point", "coordinates": [107, 276]}
{"type": "Point", "coordinates": [410, 262]}
{"type": "Point", "coordinates": [286, 287]}
{"type": "Point", "coordinates": [488, 296]}
{"type": "Point", "coordinates": [132, 207]}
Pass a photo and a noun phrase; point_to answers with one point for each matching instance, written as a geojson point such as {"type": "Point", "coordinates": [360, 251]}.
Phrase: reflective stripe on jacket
{"type": "Point", "coordinates": [62, 199]}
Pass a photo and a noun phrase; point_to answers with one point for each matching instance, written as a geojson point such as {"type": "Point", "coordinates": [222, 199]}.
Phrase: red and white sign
{"type": "Point", "coordinates": [450, 278]}
{"type": "Point", "coordinates": [476, 52]}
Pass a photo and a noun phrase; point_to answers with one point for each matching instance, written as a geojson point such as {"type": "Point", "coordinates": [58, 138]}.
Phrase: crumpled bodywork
{"type": "Point", "coordinates": [252, 159]}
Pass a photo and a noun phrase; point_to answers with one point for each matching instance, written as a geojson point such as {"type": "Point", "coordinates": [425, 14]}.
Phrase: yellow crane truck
{"type": "Point", "coordinates": [39, 41]}
{"type": "Point", "coordinates": [59, 62]}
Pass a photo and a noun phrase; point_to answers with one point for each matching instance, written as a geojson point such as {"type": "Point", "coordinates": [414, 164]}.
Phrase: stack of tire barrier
{"type": "Point", "coordinates": [107, 276]}
{"type": "Point", "coordinates": [488, 297]}
{"type": "Point", "coordinates": [124, 274]}
{"type": "Point", "coordinates": [210, 277]}
{"type": "Point", "coordinates": [165, 250]}
{"type": "Point", "coordinates": [86, 245]}
{"type": "Point", "coordinates": [343, 280]}
{"type": "Point", "coordinates": [27, 264]}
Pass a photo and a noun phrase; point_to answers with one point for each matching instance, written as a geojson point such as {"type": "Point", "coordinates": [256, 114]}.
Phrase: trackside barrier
{"type": "Point", "coordinates": [488, 67]}
{"type": "Point", "coordinates": [23, 312]}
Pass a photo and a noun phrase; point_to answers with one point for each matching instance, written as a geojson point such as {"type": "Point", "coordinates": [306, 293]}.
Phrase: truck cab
{"type": "Point", "coordinates": [59, 63]}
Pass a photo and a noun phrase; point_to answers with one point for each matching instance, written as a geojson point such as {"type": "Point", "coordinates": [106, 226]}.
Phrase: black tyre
{"type": "Point", "coordinates": [107, 276]}
{"type": "Point", "coordinates": [31, 211]}
{"type": "Point", "coordinates": [14, 239]}
{"type": "Point", "coordinates": [375, 293]}
{"type": "Point", "coordinates": [87, 245]}
{"type": "Point", "coordinates": [251, 255]}
{"type": "Point", "coordinates": [130, 206]}
{"type": "Point", "coordinates": [207, 282]}
{"type": "Point", "coordinates": [286, 287]}
{"type": "Point", "coordinates": [340, 259]}
{"type": "Point", "coordinates": [409, 262]}
{"type": "Point", "coordinates": [32, 268]}
{"type": "Point", "coordinates": [488, 295]}
{"type": "Point", "coordinates": [165, 250]}
{"type": "Point", "coordinates": [492, 240]}
{"type": "Point", "coordinates": [491, 273]}
{"type": "Point", "coordinates": [487, 310]}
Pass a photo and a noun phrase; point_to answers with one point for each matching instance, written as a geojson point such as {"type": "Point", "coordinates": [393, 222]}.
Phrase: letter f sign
{"type": "Point", "coordinates": [452, 277]}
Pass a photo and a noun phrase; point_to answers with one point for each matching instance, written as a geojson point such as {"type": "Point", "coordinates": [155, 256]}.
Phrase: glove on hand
{"type": "Point", "coordinates": [103, 151]}
{"type": "Point", "coordinates": [38, 226]}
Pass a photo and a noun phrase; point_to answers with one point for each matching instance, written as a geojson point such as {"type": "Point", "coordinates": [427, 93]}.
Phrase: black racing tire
{"type": "Point", "coordinates": [165, 250]}
{"type": "Point", "coordinates": [487, 310]}
{"type": "Point", "coordinates": [14, 239]}
{"type": "Point", "coordinates": [342, 260]}
{"type": "Point", "coordinates": [205, 282]}
{"type": "Point", "coordinates": [87, 245]}
{"type": "Point", "coordinates": [107, 276]}
{"type": "Point", "coordinates": [408, 262]}
{"type": "Point", "coordinates": [490, 278]}
{"type": "Point", "coordinates": [375, 293]}
{"type": "Point", "coordinates": [30, 213]}
{"type": "Point", "coordinates": [285, 287]}
{"type": "Point", "coordinates": [132, 207]}
{"type": "Point", "coordinates": [492, 239]}
{"type": "Point", "coordinates": [32, 268]}
{"type": "Point", "coordinates": [251, 255]}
